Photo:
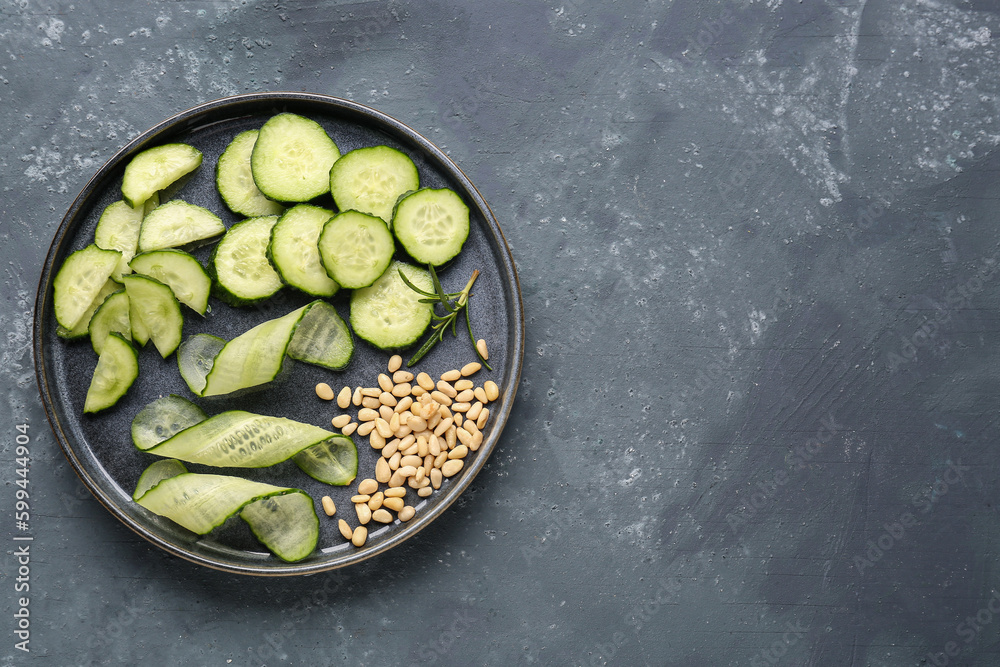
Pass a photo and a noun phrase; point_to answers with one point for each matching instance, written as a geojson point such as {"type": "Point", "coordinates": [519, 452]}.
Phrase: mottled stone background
{"type": "Point", "coordinates": [757, 419]}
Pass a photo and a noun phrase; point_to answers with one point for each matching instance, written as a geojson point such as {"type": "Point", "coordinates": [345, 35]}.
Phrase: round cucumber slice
{"type": "Point", "coordinates": [432, 225]}
{"type": "Point", "coordinates": [371, 179]}
{"type": "Point", "coordinates": [294, 250]}
{"type": "Point", "coordinates": [389, 314]}
{"type": "Point", "coordinates": [239, 263]}
{"type": "Point", "coordinates": [355, 248]}
{"type": "Point", "coordinates": [292, 157]}
{"type": "Point", "coordinates": [234, 179]}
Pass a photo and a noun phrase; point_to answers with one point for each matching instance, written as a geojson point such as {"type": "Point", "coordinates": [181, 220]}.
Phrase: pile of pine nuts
{"type": "Point", "coordinates": [423, 429]}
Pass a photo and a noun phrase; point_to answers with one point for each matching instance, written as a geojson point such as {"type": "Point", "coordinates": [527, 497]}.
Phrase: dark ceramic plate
{"type": "Point", "coordinates": [99, 446]}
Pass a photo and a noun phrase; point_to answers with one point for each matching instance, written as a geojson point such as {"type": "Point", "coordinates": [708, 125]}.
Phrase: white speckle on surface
{"type": "Point", "coordinates": [53, 30]}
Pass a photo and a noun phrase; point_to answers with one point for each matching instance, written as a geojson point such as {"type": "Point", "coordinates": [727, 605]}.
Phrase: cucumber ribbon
{"type": "Point", "coordinates": [283, 519]}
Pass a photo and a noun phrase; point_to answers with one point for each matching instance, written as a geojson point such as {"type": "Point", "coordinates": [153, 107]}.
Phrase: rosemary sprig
{"type": "Point", "coordinates": [453, 304]}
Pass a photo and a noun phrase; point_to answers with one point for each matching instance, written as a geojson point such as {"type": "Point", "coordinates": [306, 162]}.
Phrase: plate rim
{"type": "Point", "coordinates": [174, 125]}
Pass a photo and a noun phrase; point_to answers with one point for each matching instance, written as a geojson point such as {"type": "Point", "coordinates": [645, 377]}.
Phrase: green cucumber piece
{"type": "Point", "coordinates": [164, 418]}
{"type": "Point", "coordinates": [333, 461]}
{"type": "Point", "coordinates": [389, 314]}
{"type": "Point", "coordinates": [195, 358]}
{"type": "Point", "coordinates": [158, 311]}
{"type": "Point", "coordinates": [322, 338]}
{"type": "Point", "coordinates": [155, 473]}
{"type": "Point", "coordinates": [292, 157]}
{"type": "Point", "coordinates": [200, 503]}
{"type": "Point", "coordinates": [155, 168]}
{"type": "Point", "coordinates": [254, 357]}
{"type": "Point", "coordinates": [178, 223]}
{"type": "Point", "coordinates": [117, 368]}
{"type": "Point", "coordinates": [118, 229]}
{"type": "Point", "coordinates": [111, 316]}
{"type": "Point", "coordinates": [431, 225]}
{"type": "Point", "coordinates": [181, 272]}
{"type": "Point", "coordinates": [371, 179]}
{"type": "Point", "coordinates": [83, 326]}
{"type": "Point", "coordinates": [239, 439]}
{"type": "Point", "coordinates": [140, 332]}
{"type": "Point", "coordinates": [80, 278]}
{"type": "Point", "coordinates": [294, 253]}
{"type": "Point", "coordinates": [355, 248]}
{"type": "Point", "coordinates": [239, 263]}
{"type": "Point", "coordinates": [234, 179]}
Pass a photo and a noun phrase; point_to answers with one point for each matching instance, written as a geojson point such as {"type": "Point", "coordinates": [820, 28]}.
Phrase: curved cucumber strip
{"type": "Point", "coordinates": [80, 278]}
{"type": "Point", "coordinates": [195, 358]}
{"type": "Point", "coordinates": [234, 179]}
{"type": "Point", "coordinates": [371, 179]}
{"type": "Point", "coordinates": [239, 439]}
{"type": "Point", "coordinates": [334, 461]}
{"type": "Point", "coordinates": [389, 314]}
{"type": "Point", "coordinates": [156, 168]}
{"type": "Point", "coordinates": [117, 368]}
{"type": "Point", "coordinates": [322, 338]}
{"type": "Point", "coordinates": [157, 309]}
{"type": "Point", "coordinates": [181, 272]}
{"type": "Point", "coordinates": [156, 473]}
{"type": "Point", "coordinates": [178, 223]}
{"type": "Point", "coordinates": [200, 503]}
{"type": "Point", "coordinates": [118, 229]}
{"type": "Point", "coordinates": [164, 418]}
{"type": "Point", "coordinates": [111, 316]}
{"type": "Point", "coordinates": [432, 225]}
{"type": "Point", "coordinates": [294, 253]}
{"type": "Point", "coordinates": [239, 263]}
{"type": "Point", "coordinates": [292, 157]}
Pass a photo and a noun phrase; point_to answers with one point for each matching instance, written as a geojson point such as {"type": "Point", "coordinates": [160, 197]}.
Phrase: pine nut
{"type": "Point", "coordinates": [451, 436]}
{"type": "Point", "coordinates": [436, 478]}
{"type": "Point", "coordinates": [396, 480]}
{"type": "Point", "coordinates": [418, 391]}
{"type": "Point", "coordinates": [411, 450]}
{"type": "Point", "coordinates": [425, 450]}
{"type": "Point", "coordinates": [402, 377]}
{"type": "Point", "coordinates": [345, 529]}
{"type": "Point", "coordinates": [474, 411]}
{"type": "Point", "coordinates": [482, 349]}
{"type": "Point", "coordinates": [390, 448]}
{"type": "Point", "coordinates": [412, 460]}
{"type": "Point", "coordinates": [446, 389]}
{"type": "Point", "coordinates": [483, 416]}
{"type": "Point", "coordinates": [328, 506]}
{"type": "Point", "coordinates": [465, 396]}
{"type": "Point", "coordinates": [360, 498]}
{"type": "Point", "coordinates": [344, 398]}
{"type": "Point", "coordinates": [395, 361]}
{"type": "Point", "coordinates": [360, 536]}
{"type": "Point", "coordinates": [471, 368]}
{"type": "Point", "coordinates": [371, 392]}
{"type": "Point", "coordinates": [385, 382]}
{"type": "Point", "coordinates": [364, 514]}
{"type": "Point", "coordinates": [376, 439]}
{"type": "Point", "coordinates": [407, 471]}
{"type": "Point", "coordinates": [386, 398]}
{"type": "Point", "coordinates": [434, 447]}
{"type": "Point", "coordinates": [394, 461]}
{"type": "Point", "coordinates": [350, 428]}
{"type": "Point", "coordinates": [461, 407]}
{"type": "Point", "coordinates": [451, 375]}
{"type": "Point", "coordinates": [367, 415]}
{"type": "Point", "coordinates": [402, 390]}
{"type": "Point", "coordinates": [464, 384]}
{"type": "Point", "coordinates": [440, 459]}
{"type": "Point", "coordinates": [407, 513]}
{"type": "Point", "coordinates": [425, 491]}
{"type": "Point", "coordinates": [477, 439]}
{"type": "Point", "coordinates": [471, 427]}
{"type": "Point", "coordinates": [443, 426]}
{"type": "Point", "coordinates": [434, 420]}
{"type": "Point", "coordinates": [395, 504]}
{"type": "Point", "coordinates": [376, 501]}
{"type": "Point", "coordinates": [428, 463]}
{"type": "Point", "coordinates": [429, 410]}
{"type": "Point", "coordinates": [491, 389]}
{"type": "Point", "coordinates": [356, 396]}
{"type": "Point", "coordinates": [419, 476]}
{"type": "Point", "coordinates": [324, 391]}
{"type": "Point", "coordinates": [407, 441]}
{"type": "Point", "coordinates": [394, 422]}
{"type": "Point", "coordinates": [382, 470]}
{"type": "Point", "coordinates": [395, 493]}
{"type": "Point", "coordinates": [459, 419]}
{"type": "Point", "coordinates": [444, 412]}
{"type": "Point", "coordinates": [367, 486]}
{"type": "Point", "coordinates": [464, 436]}
{"type": "Point", "coordinates": [340, 421]}
{"type": "Point", "coordinates": [382, 426]}
{"type": "Point", "coordinates": [417, 423]}
{"type": "Point", "coordinates": [365, 428]}
{"type": "Point", "coordinates": [451, 467]}
{"type": "Point", "coordinates": [459, 452]}
{"type": "Point", "coordinates": [481, 395]}
{"type": "Point", "coordinates": [371, 402]}
{"type": "Point", "coordinates": [404, 405]}
{"type": "Point", "coordinates": [382, 516]}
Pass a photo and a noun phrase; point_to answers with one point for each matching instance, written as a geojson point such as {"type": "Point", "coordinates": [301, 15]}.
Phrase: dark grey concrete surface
{"type": "Point", "coordinates": [757, 245]}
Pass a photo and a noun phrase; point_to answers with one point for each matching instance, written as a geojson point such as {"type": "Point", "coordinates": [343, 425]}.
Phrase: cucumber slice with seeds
{"type": "Point", "coordinates": [112, 316]}
{"type": "Point", "coordinates": [157, 309]}
{"type": "Point", "coordinates": [178, 223]}
{"type": "Point", "coordinates": [333, 461]}
{"type": "Point", "coordinates": [117, 368]}
{"type": "Point", "coordinates": [234, 179]}
{"type": "Point", "coordinates": [195, 358]}
{"type": "Point", "coordinates": [371, 179]}
{"type": "Point", "coordinates": [322, 338]}
{"type": "Point", "coordinates": [83, 326]}
{"type": "Point", "coordinates": [81, 277]}
{"type": "Point", "coordinates": [294, 253]}
{"type": "Point", "coordinates": [239, 263]}
{"type": "Point", "coordinates": [389, 314]}
{"type": "Point", "coordinates": [292, 157]}
{"type": "Point", "coordinates": [118, 229]}
{"type": "Point", "coordinates": [431, 225]}
{"type": "Point", "coordinates": [156, 168]}
{"type": "Point", "coordinates": [164, 418]}
{"type": "Point", "coordinates": [181, 272]}
{"type": "Point", "coordinates": [355, 248]}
